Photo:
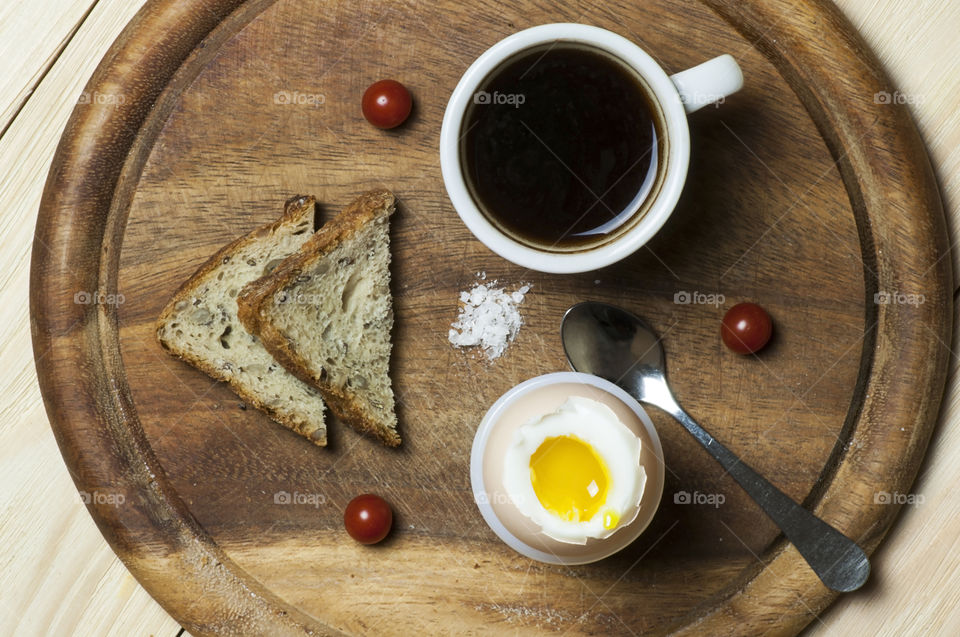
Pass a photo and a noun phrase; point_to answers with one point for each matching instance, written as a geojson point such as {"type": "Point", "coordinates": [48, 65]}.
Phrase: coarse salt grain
{"type": "Point", "coordinates": [488, 317]}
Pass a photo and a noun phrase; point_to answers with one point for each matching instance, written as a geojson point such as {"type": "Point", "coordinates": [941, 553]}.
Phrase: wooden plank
{"type": "Point", "coordinates": [59, 576]}
{"type": "Point", "coordinates": [30, 45]}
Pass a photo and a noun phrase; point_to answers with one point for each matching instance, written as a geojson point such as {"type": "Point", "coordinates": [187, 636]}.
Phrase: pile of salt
{"type": "Point", "coordinates": [488, 318]}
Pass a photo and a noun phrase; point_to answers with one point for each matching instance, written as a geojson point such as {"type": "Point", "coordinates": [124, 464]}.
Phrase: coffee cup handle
{"type": "Point", "coordinates": [708, 83]}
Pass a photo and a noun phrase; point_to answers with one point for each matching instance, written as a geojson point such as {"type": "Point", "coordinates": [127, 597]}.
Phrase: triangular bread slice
{"type": "Point", "coordinates": [326, 314]}
{"type": "Point", "coordinates": [200, 324]}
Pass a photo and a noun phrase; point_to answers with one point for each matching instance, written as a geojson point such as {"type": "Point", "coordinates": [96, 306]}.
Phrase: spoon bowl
{"type": "Point", "coordinates": [627, 342]}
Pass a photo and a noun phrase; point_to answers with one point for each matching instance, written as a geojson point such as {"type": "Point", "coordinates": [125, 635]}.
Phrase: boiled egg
{"type": "Point", "coordinates": [575, 472]}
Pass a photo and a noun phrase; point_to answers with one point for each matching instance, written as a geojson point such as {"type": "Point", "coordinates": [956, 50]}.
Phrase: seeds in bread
{"type": "Point", "coordinates": [326, 314]}
{"type": "Point", "coordinates": [200, 325]}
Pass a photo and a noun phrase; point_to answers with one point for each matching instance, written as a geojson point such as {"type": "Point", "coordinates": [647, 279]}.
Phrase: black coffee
{"type": "Point", "coordinates": [560, 144]}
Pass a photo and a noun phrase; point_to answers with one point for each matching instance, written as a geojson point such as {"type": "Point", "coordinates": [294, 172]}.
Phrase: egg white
{"type": "Point", "coordinates": [597, 425]}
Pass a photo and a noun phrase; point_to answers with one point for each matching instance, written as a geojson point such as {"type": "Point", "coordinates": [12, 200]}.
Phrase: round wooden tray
{"type": "Point", "coordinates": [808, 193]}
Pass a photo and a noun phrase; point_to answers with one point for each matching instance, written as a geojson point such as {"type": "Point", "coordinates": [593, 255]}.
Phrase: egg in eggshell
{"type": "Point", "coordinates": [603, 488]}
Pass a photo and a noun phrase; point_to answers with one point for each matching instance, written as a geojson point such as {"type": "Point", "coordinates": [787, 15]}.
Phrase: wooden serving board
{"type": "Point", "coordinates": [806, 194]}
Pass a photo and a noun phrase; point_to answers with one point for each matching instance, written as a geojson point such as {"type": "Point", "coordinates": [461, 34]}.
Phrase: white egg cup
{"type": "Point", "coordinates": [547, 549]}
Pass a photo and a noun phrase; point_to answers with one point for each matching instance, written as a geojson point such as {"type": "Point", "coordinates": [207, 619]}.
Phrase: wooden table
{"type": "Point", "coordinates": [58, 575]}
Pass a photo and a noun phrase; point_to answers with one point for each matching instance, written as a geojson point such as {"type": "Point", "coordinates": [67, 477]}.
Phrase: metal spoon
{"type": "Point", "coordinates": [612, 343]}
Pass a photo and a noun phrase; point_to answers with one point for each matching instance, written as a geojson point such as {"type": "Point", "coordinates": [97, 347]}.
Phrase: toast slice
{"type": "Point", "coordinates": [200, 325]}
{"type": "Point", "coordinates": [326, 314]}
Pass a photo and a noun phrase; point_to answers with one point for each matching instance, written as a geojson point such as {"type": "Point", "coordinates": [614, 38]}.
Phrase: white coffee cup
{"type": "Point", "coordinates": [676, 95]}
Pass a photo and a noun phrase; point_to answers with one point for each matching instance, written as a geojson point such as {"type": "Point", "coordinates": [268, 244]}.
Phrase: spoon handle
{"type": "Point", "coordinates": [836, 559]}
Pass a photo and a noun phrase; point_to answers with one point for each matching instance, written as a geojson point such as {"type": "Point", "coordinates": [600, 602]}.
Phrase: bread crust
{"type": "Point", "coordinates": [294, 209]}
{"type": "Point", "coordinates": [254, 299]}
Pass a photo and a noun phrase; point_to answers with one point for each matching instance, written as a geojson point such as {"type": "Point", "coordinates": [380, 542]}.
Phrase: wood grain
{"type": "Point", "coordinates": [907, 36]}
{"type": "Point", "coordinates": [826, 291]}
{"type": "Point", "coordinates": [83, 589]}
{"type": "Point", "coordinates": [913, 590]}
{"type": "Point", "coordinates": [36, 58]}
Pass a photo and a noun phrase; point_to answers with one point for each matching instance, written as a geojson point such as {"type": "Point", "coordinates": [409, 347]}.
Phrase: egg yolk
{"type": "Point", "coordinates": [570, 479]}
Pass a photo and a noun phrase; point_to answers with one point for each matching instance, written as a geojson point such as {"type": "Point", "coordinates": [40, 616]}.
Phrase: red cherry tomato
{"type": "Point", "coordinates": [386, 103]}
{"type": "Point", "coordinates": [368, 518]}
{"type": "Point", "coordinates": [746, 328]}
